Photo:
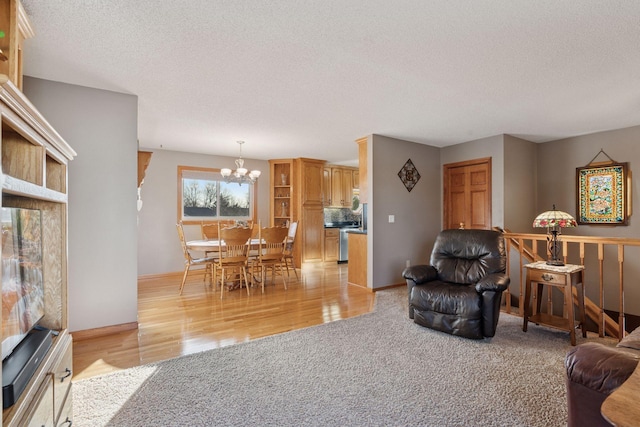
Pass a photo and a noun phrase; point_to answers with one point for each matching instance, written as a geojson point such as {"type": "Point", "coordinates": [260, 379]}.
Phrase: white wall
{"type": "Point", "coordinates": [101, 126]}
{"type": "Point", "coordinates": [417, 213]}
{"type": "Point", "coordinates": [159, 249]}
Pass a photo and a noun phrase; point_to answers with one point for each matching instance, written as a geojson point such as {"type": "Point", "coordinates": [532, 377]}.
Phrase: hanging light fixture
{"type": "Point", "coordinates": [553, 221]}
{"type": "Point", "coordinates": [240, 174]}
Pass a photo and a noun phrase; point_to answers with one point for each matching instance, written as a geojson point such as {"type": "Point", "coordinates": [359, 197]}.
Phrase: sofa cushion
{"type": "Point", "coordinates": [447, 298]}
{"type": "Point", "coordinates": [631, 341]}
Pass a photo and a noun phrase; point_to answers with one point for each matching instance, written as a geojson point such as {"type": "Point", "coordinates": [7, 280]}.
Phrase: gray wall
{"type": "Point", "coordinates": [106, 253]}
{"type": "Point", "coordinates": [159, 250]}
{"type": "Point", "coordinates": [101, 126]}
{"type": "Point", "coordinates": [417, 213]}
{"type": "Point", "coordinates": [520, 190]}
{"type": "Point", "coordinates": [556, 164]}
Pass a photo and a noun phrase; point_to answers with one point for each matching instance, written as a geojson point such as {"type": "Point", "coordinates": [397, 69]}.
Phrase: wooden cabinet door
{"type": "Point", "coordinates": [467, 194]}
{"type": "Point", "coordinates": [312, 234]}
{"type": "Point", "coordinates": [326, 186]}
{"type": "Point", "coordinates": [331, 244]}
{"type": "Point", "coordinates": [43, 412]}
{"type": "Point", "coordinates": [336, 187]}
{"type": "Point", "coordinates": [347, 188]}
{"type": "Point", "coordinates": [363, 177]}
{"type": "Point", "coordinates": [341, 184]}
{"type": "Point", "coordinates": [310, 238]}
{"type": "Point", "coordinates": [62, 372]}
{"type": "Point", "coordinates": [312, 177]}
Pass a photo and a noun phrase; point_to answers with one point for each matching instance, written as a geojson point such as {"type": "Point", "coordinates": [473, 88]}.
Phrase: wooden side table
{"type": "Point", "coordinates": [565, 278]}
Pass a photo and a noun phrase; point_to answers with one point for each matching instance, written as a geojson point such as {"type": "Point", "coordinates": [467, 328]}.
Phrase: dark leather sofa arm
{"type": "Point", "coordinates": [496, 282]}
{"type": "Point", "coordinates": [599, 367]}
{"type": "Point", "coordinates": [420, 273]}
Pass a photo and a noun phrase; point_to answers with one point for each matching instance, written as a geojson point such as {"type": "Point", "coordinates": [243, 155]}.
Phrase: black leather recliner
{"type": "Point", "coordinates": [460, 292]}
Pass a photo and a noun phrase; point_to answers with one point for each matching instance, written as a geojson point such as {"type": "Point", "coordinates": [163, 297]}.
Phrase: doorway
{"type": "Point", "coordinates": [467, 194]}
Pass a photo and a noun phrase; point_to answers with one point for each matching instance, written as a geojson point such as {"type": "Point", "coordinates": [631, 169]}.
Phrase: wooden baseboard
{"type": "Point", "coordinates": [397, 285]}
{"type": "Point", "coordinates": [100, 332]}
{"type": "Point", "coordinates": [178, 274]}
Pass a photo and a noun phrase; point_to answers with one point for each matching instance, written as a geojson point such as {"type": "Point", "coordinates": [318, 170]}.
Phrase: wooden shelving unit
{"type": "Point", "coordinates": [281, 190]}
{"type": "Point", "coordinates": [34, 165]}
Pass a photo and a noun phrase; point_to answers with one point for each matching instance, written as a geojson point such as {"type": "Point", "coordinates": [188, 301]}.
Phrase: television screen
{"type": "Point", "coordinates": [22, 283]}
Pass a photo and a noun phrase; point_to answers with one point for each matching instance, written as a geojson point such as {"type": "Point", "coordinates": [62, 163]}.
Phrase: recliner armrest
{"type": "Point", "coordinates": [496, 282]}
{"type": "Point", "coordinates": [420, 273]}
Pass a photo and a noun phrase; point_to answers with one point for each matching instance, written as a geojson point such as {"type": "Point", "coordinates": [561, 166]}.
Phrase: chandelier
{"type": "Point", "coordinates": [240, 174]}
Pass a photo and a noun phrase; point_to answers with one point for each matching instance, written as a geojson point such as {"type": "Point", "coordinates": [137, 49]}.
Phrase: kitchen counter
{"type": "Point", "coordinates": [356, 231]}
{"type": "Point", "coordinates": [348, 224]}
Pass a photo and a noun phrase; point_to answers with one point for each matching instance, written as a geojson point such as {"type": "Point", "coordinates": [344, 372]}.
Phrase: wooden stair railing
{"type": "Point", "coordinates": [594, 311]}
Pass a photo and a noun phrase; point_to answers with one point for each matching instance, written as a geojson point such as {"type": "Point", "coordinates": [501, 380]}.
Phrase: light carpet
{"type": "Point", "coordinates": [378, 369]}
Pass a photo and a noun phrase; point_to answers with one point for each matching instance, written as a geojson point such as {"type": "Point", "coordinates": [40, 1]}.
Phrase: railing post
{"type": "Point", "coordinates": [601, 326]}
{"type": "Point", "coordinates": [621, 317]}
{"type": "Point", "coordinates": [507, 292]}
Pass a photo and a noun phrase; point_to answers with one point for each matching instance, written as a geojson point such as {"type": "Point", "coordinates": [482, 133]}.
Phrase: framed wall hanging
{"type": "Point", "coordinates": [602, 193]}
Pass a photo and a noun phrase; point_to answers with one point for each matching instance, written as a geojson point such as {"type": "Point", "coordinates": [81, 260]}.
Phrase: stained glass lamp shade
{"type": "Point", "coordinates": [554, 220]}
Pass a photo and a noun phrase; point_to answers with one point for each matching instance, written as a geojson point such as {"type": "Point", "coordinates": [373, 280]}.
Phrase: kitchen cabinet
{"type": "Point", "coordinates": [326, 186]}
{"type": "Point", "coordinates": [331, 244]}
{"type": "Point", "coordinates": [338, 183]}
{"type": "Point", "coordinates": [296, 194]}
{"type": "Point", "coordinates": [308, 201]}
{"type": "Point", "coordinates": [362, 168]}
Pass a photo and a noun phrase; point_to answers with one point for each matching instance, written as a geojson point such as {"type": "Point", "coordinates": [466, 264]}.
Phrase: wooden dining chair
{"type": "Point", "coordinates": [272, 242]}
{"type": "Point", "coordinates": [209, 231]}
{"type": "Point", "coordinates": [189, 261]}
{"type": "Point", "coordinates": [288, 248]}
{"type": "Point", "coordinates": [234, 245]}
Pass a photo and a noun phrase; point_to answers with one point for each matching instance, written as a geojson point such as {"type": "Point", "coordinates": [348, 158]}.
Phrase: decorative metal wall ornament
{"type": "Point", "coordinates": [409, 175]}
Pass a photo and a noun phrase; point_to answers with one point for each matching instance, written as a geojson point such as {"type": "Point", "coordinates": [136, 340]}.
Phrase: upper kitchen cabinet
{"type": "Point", "coordinates": [362, 170]}
{"type": "Point", "coordinates": [339, 183]}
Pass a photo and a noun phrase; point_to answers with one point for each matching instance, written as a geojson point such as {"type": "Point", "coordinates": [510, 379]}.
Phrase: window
{"type": "Point", "coordinates": [204, 196]}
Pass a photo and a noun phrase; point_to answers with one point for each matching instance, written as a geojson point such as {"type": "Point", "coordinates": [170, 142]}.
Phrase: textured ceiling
{"type": "Point", "coordinates": [306, 78]}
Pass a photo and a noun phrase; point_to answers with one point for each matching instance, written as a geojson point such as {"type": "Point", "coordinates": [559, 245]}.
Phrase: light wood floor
{"type": "Point", "coordinates": [170, 325]}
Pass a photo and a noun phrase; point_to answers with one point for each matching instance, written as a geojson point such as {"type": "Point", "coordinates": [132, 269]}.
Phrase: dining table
{"type": "Point", "coordinates": [209, 246]}
{"type": "Point", "coordinates": [214, 245]}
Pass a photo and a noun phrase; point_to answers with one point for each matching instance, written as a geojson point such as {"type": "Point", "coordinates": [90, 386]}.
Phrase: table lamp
{"type": "Point", "coordinates": [553, 221]}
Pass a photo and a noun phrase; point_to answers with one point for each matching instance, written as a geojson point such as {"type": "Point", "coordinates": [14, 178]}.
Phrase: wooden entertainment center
{"type": "Point", "coordinates": [34, 161]}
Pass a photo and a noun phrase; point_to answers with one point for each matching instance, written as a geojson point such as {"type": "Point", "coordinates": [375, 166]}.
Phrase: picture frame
{"type": "Point", "coordinates": [603, 194]}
